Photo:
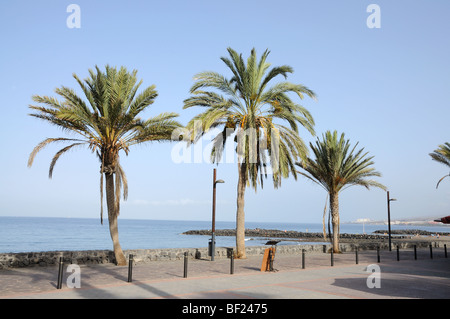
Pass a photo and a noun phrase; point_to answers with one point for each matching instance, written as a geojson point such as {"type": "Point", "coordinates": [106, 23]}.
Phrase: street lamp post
{"type": "Point", "coordinates": [389, 218]}
{"type": "Point", "coordinates": [213, 228]}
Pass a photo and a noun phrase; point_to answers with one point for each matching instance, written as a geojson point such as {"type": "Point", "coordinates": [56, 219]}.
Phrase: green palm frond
{"type": "Point", "coordinates": [105, 119]}
{"type": "Point", "coordinates": [442, 155]}
{"type": "Point", "coordinates": [245, 105]}
{"type": "Point", "coordinates": [336, 165]}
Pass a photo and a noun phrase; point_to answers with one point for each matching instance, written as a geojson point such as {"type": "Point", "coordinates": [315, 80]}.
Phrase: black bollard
{"type": "Point", "coordinates": [60, 273]}
{"type": "Point", "coordinates": [185, 265]}
{"type": "Point", "coordinates": [270, 260]}
{"type": "Point", "coordinates": [431, 251]}
{"type": "Point", "coordinates": [398, 253]}
{"type": "Point", "coordinates": [232, 263]}
{"type": "Point", "coordinates": [303, 259]}
{"type": "Point", "coordinates": [445, 250]}
{"type": "Point", "coordinates": [332, 258]}
{"type": "Point", "coordinates": [415, 252]}
{"type": "Point", "coordinates": [130, 268]}
{"type": "Point", "coordinates": [356, 255]}
{"type": "Point", "coordinates": [378, 254]}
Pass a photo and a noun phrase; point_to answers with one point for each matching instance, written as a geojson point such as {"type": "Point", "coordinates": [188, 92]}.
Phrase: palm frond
{"type": "Point", "coordinates": [58, 154]}
{"type": "Point", "coordinates": [46, 142]}
{"type": "Point", "coordinates": [249, 109]}
{"type": "Point", "coordinates": [437, 185]}
{"type": "Point", "coordinates": [105, 119]}
{"type": "Point", "coordinates": [442, 155]}
{"type": "Point", "coordinates": [336, 166]}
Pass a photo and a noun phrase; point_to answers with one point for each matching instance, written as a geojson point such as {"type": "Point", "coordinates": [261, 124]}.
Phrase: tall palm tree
{"type": "Point", "coordinates": [106, 122]}
{"type": "Point", "coordinates": [337, 166]}
{"type": "Point", "coordinates": [442, 155]}
{"type": "Point", "coordinates": [255, 114]}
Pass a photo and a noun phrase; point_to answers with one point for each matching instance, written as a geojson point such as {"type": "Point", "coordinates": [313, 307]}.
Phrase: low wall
{"type": "Point", "coordinates": [31, 259]}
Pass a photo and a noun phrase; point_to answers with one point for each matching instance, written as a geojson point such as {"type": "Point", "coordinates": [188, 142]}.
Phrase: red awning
{"type": "Point", "coordinates": [444, 220]}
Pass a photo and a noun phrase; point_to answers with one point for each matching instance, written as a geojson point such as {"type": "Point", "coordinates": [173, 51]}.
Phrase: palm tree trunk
{"type": "Point", "coordinates": [334, 206]}
{"type": "Point", "coordinates": [323, 220]}
{"type": "Point", "coordinates": [240, 214]}
{"type": "Point", "coordinates": [112, 218]}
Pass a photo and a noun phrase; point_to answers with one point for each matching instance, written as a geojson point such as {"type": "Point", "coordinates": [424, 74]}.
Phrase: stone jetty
{"type": "Point", "coordinates": [289, 234]}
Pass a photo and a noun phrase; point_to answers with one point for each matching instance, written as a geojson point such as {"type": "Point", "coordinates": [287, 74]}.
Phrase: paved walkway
{"type": "Point", "coordinates": [408, 278]}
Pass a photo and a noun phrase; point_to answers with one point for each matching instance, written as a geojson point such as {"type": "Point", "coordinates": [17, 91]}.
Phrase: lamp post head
{"type": "Point", "coordinates": [220, 181]}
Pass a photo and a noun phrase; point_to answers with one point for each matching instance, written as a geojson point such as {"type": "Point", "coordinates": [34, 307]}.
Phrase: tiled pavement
{"type": "Point", "coordinates": [407, 278]}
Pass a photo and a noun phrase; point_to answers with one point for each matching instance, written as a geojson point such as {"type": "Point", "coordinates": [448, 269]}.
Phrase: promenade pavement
{"type": "Point", "coordinates": [424, 278]}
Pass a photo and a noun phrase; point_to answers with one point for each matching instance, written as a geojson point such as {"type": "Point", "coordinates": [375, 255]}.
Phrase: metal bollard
{"type": "Point", "coordinates": [431, 251]}
{"type": "Point", "coordinates": [185, 264]}
{"type": "Point", "coordinates": [398, 253]}
{"type": "Point", "coordinates": [378, 254]}
{"type": "Point", "coordinates": [60, 273]}
{"type": "Point", "coordinates": [303, 259]}
{"type": "Point", "coordinates": [356, 255]}
{"type": "Point", "coordinates": [332, 257]}
{"type": "Point", "coordinates": [415, 252]}
{"type": "Point", "coordinates": [270, 260]}
{"type": "Point", "coordinates": [445, 250]}
{"type": "Point", "coordinates": [130, 268]}
{"type": "Point", "coordinates": [232, 264]}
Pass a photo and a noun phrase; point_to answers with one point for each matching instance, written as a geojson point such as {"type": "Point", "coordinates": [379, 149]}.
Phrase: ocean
{"type": "Point", "coordinates": [33, 234]}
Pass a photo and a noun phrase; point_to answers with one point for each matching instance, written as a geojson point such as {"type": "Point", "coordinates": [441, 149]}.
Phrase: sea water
{"type": "Point", "coordinates": [32, 234]}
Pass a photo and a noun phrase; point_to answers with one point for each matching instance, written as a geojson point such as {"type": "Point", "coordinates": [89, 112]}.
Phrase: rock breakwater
{"type": "Point", "coordinates": [413, 232]}
{"type": "Point", "coordinates": [290, 234]}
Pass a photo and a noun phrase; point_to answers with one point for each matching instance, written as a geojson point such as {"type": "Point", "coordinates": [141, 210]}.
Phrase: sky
{"type": "Point", "coordinates": [386, 88]}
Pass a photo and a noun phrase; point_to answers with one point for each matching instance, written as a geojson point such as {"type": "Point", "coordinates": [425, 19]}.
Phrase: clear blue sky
{"type": "Point", "coordinates": [386, 88]}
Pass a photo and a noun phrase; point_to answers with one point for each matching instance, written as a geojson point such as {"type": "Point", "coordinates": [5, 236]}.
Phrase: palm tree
{"type": "Point", "coordinates": [442, 155]}
{"type": "Point", "coordinates": [106, 123]}
{"type": "Point", "coordinates": [254, 113]}
{"type": "Point", "coordinates": [337, 166]}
